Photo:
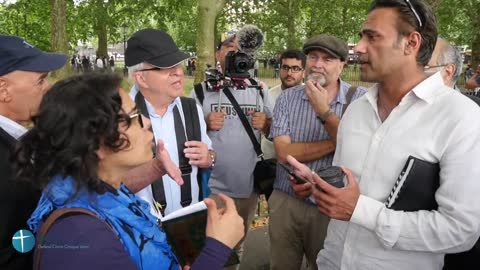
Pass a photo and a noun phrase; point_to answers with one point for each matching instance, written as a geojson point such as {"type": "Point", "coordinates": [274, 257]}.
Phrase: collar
{"type": "Point", "coordinates": [151, 110]}
{"type": "Point", "coordinates": [11, 127]}
{"type": "Point", "coordinates": [427, 90]}
{"type": "Point", "coordinates": [153, 113]}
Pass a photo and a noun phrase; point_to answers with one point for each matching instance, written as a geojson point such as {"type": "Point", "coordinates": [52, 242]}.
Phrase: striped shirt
{"type": "Point", "coordinates": [294, 116]}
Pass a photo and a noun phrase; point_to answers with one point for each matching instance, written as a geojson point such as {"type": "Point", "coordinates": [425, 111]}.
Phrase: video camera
{"type": "Point", "coordinates": [237, 64]}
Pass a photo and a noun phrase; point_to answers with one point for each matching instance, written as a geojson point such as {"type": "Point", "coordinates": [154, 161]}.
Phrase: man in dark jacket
{"type": "Point", "coordinates": [23, 82]}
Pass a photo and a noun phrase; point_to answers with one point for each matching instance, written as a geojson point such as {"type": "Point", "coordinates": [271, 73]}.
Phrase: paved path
{"type": "Point", "coordinates": [257, 251]}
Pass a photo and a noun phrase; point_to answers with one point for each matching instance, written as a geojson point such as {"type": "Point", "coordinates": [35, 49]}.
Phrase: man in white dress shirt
{"type": "Point", "coordinates": [404, 114]}
{"type": "Point", "coordinates": [155, 63]}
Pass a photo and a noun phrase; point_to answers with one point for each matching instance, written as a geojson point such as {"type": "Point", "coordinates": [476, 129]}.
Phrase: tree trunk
{"type": "Point", "coordinates": [101, 28]}
{"type": "Point", "coordinates": [472, 14]}
{"type": "Point", "coordinates": [207, 14]}
{"type": "Point", "coordinates": [290, 21]}
{"type": "Point", "coordinates": [475, 41]}
{"type": "Point", "coordinates": [102, 39]}
{"type": "Point", "coordinates": [59, 33]}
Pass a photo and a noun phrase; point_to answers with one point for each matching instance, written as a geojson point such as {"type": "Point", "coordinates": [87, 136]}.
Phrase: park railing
{"type": "Point", "coordinates": [350, 74]}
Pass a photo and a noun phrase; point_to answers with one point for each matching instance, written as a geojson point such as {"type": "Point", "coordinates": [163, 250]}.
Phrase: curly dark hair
{"type": "Point", "coordinates": [76, 117]}
{"type": "Point", "coordinates": [425, 24]}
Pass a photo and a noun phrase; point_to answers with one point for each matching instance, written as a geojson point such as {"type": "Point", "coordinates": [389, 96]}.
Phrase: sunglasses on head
{"type": "Point", "coordinates": [409, 4]}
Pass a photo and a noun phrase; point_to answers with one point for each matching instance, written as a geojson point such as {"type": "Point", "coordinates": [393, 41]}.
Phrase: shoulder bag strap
{"type": "Point", "coordinates": [158, 190]}
{"type": "Point", "coordinates": [349, 96]}
{"type": "Point", "coordinates": [54, 216]}
{"type": "Point", "coordinates": [244, 121]}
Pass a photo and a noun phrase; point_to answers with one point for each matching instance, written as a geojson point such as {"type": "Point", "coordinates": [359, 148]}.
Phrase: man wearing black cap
{"type": "Point", "coordinates": [305, 124]}
{"type": "Point", "coordinates": [155, 64]}
{"type": "Point", "coordinates": [23, 82]}
{"type": "Point", "coordinates": [411, 148]}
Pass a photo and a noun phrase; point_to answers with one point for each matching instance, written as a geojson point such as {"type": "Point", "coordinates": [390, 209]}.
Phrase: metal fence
{"type": "Point", "coordinates": [350, 74]}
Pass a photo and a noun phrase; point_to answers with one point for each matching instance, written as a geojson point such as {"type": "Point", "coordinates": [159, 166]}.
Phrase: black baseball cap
{"type": "Point", "coordinates": [329, 44]}
{"type": "Point", "coordinates": [17, 54]}
{"type": "Point", "coordinates": [155, 47]}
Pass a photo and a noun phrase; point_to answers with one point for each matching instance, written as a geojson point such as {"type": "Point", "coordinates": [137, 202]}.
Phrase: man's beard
{"type": "Point", "coordinates": [319, 78]}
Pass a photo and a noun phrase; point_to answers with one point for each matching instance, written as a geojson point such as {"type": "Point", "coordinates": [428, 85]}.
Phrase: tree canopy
{"type": "Point", "coordinates": [285, 23]}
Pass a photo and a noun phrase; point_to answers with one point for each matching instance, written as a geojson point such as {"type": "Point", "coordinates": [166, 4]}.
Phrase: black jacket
{"type": "Point", "coordinates": [17, 202]}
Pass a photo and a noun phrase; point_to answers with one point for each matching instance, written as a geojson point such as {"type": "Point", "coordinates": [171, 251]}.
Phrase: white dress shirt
{"type": "Point", "coordinates": [433, 123]}
{"type": "Point", "coordinates": [11, 127]}
{"type": "Point", "coordinates": [164, 128]}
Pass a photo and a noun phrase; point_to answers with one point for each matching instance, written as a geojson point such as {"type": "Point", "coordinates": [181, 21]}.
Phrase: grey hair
{"type": "Point", "coordinates": [450, 55]}
{"type": "Point", "coordinates": [134, 68]}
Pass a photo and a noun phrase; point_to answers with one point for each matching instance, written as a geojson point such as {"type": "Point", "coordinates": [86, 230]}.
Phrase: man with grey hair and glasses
{"type": "Point", "coordinates": [448, 61]}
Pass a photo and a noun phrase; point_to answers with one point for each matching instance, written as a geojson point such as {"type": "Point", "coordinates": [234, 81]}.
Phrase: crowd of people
{"type": "Point", "coordinates": [84, 161]}
{"type": "Point", "coordinates": [86, 63]}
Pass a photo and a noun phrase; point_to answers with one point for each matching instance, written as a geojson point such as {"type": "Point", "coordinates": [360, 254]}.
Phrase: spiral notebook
{"type": "Point", "coordinates": [415, 187]}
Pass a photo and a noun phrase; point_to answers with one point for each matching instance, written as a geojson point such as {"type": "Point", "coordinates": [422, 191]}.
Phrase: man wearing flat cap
{"type": "Point", "coordinates": [155, 64]}
{"type": "Point", "coordinates": [23, 82]}
{"type": "Point", "coordinates": [305, 122]}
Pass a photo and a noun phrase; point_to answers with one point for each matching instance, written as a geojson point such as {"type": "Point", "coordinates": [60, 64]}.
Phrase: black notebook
{"type": "Point", "coordinates": [185, 230]}
{"type": "Point", "coordinates": [415, 187]}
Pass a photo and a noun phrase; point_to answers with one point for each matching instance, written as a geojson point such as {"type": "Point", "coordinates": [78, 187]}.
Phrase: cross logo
{"type": "Point", "coordinates": [23, 241]}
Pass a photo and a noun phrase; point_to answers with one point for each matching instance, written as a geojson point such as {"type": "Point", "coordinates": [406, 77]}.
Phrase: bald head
{"type": "Point", "coordinates": [447, 60]}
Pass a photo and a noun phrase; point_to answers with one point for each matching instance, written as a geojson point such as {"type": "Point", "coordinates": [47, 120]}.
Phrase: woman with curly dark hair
{"type": "Point", "coordinates": [87, 135]}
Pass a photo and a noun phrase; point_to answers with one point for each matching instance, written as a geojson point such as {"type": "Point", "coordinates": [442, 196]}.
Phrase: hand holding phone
{"type": "Point", "coordinates": [290, 172]}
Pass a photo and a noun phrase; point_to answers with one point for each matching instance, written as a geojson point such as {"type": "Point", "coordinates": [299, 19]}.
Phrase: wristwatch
{"type": "Point", "coordinates": [324, 116]}
{"type": "Point", "coordinates": [213, 157]}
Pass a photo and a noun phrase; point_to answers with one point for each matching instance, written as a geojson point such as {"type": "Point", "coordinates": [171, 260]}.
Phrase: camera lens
{"type": "Point", "coordinates": [241, 66]}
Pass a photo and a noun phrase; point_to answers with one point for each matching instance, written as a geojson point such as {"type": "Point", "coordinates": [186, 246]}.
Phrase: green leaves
{"type": "Point", "coordinates": [285, 23]}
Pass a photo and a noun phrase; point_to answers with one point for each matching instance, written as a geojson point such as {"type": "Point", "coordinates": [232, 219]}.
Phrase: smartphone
{"type": "Point", "coordinates": [299, 179]}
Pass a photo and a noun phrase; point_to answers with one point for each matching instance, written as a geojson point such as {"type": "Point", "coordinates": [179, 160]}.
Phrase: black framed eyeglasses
{"type": "Point", "coordinates": [294, 69]}
{"type": "Point", "coordinates": [139, 118]}
{"type": "Point", "coordinates": [409, 4]}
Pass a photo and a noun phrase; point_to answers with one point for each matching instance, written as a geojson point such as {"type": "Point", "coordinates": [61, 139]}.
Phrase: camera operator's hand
{"type": "Point", "coordinates": [317, 96]}
{"type": "Point", "coordinates": [259, 120]}
{"type": "Point", "coordinates": [215, 120]}
{"type": "Point", "coordinates": [198, 154]}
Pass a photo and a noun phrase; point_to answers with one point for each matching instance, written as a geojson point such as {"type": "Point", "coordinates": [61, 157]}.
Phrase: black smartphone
{"type": "Point", "coordinates": [299, 179]}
